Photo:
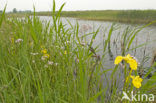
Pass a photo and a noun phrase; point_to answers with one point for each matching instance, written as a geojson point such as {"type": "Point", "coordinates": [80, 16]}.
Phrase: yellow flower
{"type": "Point", "coordinates": [118, 59]}
{"type": "Point", "coordinates": [127, 57]}
{"type": "Point", "coordinates": [65, 52]}
{"type": "Point", "coordinates": [136, 81]}
{"type": "Point", "coordinates": [44, 51]}
{"type": "Point", "coordinates": [46, 55]}
{"type": "Point", "coordinates": [132, 62]}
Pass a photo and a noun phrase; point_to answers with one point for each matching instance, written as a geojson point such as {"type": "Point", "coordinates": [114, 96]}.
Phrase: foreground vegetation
{"type": "Point", "coordinates": [50, 63]}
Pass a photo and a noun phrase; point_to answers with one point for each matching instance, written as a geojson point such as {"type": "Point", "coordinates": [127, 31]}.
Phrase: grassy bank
{"type": "Point", "coordinates": [126, 16]}
{"type": "Point", "coordinates": [43, 62]}
{"type": "Point", "coordinates": [19, 15]}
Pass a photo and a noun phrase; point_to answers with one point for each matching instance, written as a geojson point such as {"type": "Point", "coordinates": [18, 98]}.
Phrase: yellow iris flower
{"type": "Point", "coordinates": [136, 81]}
{"type": "Point", "coordinates": [44, 51]}
{"type": "Point", "coordinates": [132, 62]}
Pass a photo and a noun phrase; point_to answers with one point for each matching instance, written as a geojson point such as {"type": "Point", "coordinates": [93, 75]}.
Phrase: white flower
{"type": "Point", "coordinates": [43, 58]}
{"type": "Point", "coordinates": [56, 64]}
{"type": "Point", "coordinates": [19, 40]}
{"type": "Point", "coordinates": [34, 53]}
{"type": "Point", "coordinates": [50, 62]}
{"type": "Point", "coordinates": [33, 61]}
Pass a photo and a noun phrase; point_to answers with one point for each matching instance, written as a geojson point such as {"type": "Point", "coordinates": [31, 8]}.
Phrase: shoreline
{"type": "Point", "coordinates": [121, 16]}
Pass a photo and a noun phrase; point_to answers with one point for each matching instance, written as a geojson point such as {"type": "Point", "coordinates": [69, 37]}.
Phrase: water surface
{"type": "Point", "coordinates": [146, 35]}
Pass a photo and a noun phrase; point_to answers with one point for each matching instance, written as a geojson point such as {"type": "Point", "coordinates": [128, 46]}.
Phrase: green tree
{"type": "Point", "coordinates": [14, 10]}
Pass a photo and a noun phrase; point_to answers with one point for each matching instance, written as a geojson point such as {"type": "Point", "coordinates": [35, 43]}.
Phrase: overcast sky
{"type": "Point", "coordinates": [72, 5]}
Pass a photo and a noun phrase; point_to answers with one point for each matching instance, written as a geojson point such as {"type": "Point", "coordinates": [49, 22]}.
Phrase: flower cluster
{"type": "Point", "coordinates": [19, 41]}
{"type": "Point", "coordinates": [136, 80]}
{"type": "Point", "coordinates": [132, 62]}
{"type": "Point", "coordinates": [45, 54]}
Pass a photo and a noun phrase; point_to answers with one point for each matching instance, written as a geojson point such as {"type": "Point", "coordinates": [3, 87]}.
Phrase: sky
{"type": "Point", "coordinates": [73, 5]}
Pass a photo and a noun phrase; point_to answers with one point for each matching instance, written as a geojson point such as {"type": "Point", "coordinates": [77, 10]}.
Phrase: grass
{"type": "Point", "coordinates": [69, 70]}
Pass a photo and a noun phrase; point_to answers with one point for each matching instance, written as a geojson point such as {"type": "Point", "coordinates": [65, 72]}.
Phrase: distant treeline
{"type": "Point", "coordinates": [17, 11]}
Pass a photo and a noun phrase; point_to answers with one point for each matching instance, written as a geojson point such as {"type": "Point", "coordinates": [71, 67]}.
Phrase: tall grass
{"type": "Point", "coordinates": [72, 73]}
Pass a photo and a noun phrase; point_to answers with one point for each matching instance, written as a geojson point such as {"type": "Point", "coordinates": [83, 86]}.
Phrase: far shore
{"type": "Point", "coordinates": [124, 16]}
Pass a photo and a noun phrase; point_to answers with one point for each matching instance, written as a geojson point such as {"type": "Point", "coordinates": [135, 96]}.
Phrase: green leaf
{"type": "Point", "coordinates": [3, 16]}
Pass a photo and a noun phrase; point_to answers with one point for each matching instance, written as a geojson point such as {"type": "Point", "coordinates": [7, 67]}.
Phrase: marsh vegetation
{"type": "Point", "coordinates": [55, 62]}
